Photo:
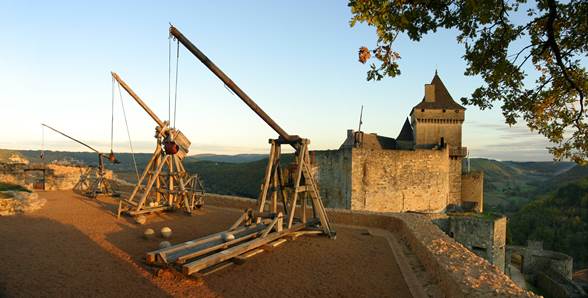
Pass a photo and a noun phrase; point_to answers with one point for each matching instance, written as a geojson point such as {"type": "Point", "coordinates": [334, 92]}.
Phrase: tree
{"type": "Point", "coordinates": [555, 38]}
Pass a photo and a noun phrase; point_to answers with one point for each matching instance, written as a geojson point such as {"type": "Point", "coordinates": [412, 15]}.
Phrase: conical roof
{"type": "Point", "coordinates": [443, 99]}
{"type": "Point", "coordinates": [406, 134]}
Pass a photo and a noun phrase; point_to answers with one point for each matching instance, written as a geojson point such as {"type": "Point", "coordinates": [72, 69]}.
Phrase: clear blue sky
{"type": "Point", "coordinates": [296, 59]}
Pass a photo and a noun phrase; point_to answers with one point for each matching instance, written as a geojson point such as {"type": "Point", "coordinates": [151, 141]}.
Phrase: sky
{"type": "Point", "coordinates": [295, 59]}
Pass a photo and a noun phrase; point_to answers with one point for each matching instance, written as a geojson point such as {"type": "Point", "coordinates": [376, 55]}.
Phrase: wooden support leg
{"type": "Point", "coordinates": [145, 172]}
{"type": "Point", "coordinates": [266, 182]}
{"type": "Point", "coordinates": [150, 183]}
{"type": "Point", "coordinates": [299, 160]}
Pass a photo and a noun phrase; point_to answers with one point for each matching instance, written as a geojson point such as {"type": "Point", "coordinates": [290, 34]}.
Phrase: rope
{"type": "Point", "coordinates": [42, 142]}
{"type": "Point", "coordinates": [176, 88]}
{"type": "Point", "coordinates": [112, 119]}
{"type": "Point", "coordinates": [128, 132]}
{"type": "Point", "coordinates": [169, 78]}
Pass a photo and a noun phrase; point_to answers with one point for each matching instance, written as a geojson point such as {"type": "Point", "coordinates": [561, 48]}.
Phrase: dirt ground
{"type": "Point", "coordinates": [74, 246]}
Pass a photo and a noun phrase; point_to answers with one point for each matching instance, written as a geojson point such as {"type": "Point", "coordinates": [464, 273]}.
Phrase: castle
{"type": "Point", "coordinates": [419, 171]}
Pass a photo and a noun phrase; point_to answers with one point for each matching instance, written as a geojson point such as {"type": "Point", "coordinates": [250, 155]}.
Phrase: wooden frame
{"type": "Point", "coordinates": [164, 185]}
{"type": "Point", "coordinates": [261, 228]}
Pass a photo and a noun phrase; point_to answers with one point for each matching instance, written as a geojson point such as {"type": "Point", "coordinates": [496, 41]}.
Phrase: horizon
{"type": "Point", "coordinates": [262, 154]}
{"type": "Point", "coordinates": [303, 73]}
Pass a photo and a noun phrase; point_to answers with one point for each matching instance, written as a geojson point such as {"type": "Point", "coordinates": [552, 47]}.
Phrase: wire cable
{"type": "Point", "coordinates": [169, 78]}
{"type": "Point", "coordinates": [112, 118]}
{"type": "Point", "coordinates": [128, 132]}
{"type": "Point", "coordinates": [176, 88]}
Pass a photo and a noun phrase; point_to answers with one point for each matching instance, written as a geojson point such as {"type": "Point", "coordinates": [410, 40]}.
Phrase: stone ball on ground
{"type": "Point", "coordinates": [149, 233]}
{"type": "Point", "coordinates": [228, 236]}
{"type": "Point", "coordinates": [166, 232]}
{"type": "Point", "coordinates": [141, 219]}
{"type": "Point", "coordinates": [164, 244]}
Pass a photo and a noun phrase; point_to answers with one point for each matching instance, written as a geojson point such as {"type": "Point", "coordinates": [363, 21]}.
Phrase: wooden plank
{"type": "Point", "coordinates": [216, 268]}
{"type": "Point", "coordinates": [185, 257]}
{"type": "Point", "coordinates": [234, 251]}
{"type": "Point", "coordinates": [239, 260]}
{"type": "Point", "coordinates": [271, 246]}
{"type": "Point", "coordinates": [151, 256]}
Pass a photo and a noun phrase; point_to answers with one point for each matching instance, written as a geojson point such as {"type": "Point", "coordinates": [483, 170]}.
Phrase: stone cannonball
{"type": "Point", "coordinates": [141, 219]}
{"type": "Point", "coordinates": [164, 244]}
{"type": "Point", "coordinates": [166, 232]}
{"type": "Point", "coordinates": [149, 233]}
{"type": "Point", "coordinates": [227, 236]}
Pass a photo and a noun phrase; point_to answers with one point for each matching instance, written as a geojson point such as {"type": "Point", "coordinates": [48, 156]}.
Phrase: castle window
{"type": "Point", "coordinates": [444, 110]}
{"type": "Point", "coordinates": [457, 111]}
{"type": "Point", "coordinates": [422, 110]}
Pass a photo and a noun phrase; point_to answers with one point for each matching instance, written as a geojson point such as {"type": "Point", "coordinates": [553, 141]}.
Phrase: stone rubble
{"type": "Point", "coordinates": [13, 202]}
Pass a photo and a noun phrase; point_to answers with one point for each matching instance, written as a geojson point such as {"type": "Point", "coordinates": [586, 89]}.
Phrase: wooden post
{"type": "Point", "coordinates": [299, 155]}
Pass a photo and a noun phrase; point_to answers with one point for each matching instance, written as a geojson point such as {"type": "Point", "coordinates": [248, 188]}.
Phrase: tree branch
{"type": "Point", "coordinates": [552, 42]}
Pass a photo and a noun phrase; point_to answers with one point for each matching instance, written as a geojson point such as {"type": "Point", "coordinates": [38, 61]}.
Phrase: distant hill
{"type": "Point", "coordinates": [239, 179]}
{"type": "Point", "coordinates": [509, 184]}
{"type": "Point", "coordinates": [576, 173]}
{"type": "Point", "coordinates": [238, 158]}
{"type": "Point", "coordinates": [239, 175]}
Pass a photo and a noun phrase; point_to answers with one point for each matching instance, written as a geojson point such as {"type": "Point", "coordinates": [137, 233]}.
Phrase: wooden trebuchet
{"type": "Point", "coordinates": [164, 184]}
{"type": "Point", "coordinates": [93, 182]}
{"type": "Point", "coordinates": [282, 206]}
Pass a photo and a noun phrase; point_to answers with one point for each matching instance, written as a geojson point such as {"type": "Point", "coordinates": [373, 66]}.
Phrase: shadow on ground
{"type": "Point", "coordinates": [42, 257]}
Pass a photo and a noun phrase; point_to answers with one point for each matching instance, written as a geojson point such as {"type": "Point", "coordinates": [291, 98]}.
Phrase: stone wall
{"type": "Point", "coordinates": [66, 177]}
{"type": "Point", "coordinates": [472, 189]}
{"type": "Point", "coordinates": [399, 180]}
{"type": "Point", "coordinates": [12, 173]}
{"type": "Point", "coordinates": [499, 243]}
{"type": "Point", "coordinates": [455, 164]}
{"type": "Point", "coordinates": [536, 259]}
{"type": "Point", "coordinates": [485, 235]}
{"type": "Point", "coordinates": [387, 180]}
{"type": "Point", "coordinates": [431, 125]}
{"type": "Point", "coordinates": [334, 177]}
{"type": "Point", "coordinates": [55, 176]}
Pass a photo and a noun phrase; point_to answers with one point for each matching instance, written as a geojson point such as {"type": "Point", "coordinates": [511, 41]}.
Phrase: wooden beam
{"type": "Point", "coordinates": [234, 251]}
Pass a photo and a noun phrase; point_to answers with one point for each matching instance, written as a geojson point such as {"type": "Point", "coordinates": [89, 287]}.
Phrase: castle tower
{"type": "Point", "coordinates": [437, 119]}
{"type": "Point", "coordinates": [437, 116]}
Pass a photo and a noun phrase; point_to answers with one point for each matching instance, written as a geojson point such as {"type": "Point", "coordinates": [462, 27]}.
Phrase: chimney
{"type": "Point", "coordinates": [429, 93]}
{"type": "Point", "coordinates": [350, 133]}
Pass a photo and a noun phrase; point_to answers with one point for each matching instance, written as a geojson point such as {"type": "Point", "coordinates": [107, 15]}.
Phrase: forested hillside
{"type": "Point", "coordinates": [508, 185]}
{"type": "Point", "coordinates": [559, 219]}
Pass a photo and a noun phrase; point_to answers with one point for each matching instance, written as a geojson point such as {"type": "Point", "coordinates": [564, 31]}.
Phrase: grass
{"type": "Point", "coordinates": [10, 186]}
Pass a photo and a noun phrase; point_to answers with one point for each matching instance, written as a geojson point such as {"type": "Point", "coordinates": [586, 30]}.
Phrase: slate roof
{"type": "Point", "coordinates": [443, 99]}
{"type": "Point", "coordinates": [406, 134]}
{"type": "Point", "coordinates": [374, 141]}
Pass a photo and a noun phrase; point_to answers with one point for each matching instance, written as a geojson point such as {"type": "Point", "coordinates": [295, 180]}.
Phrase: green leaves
{"type": "Point", "coordinates": [555, 43]}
